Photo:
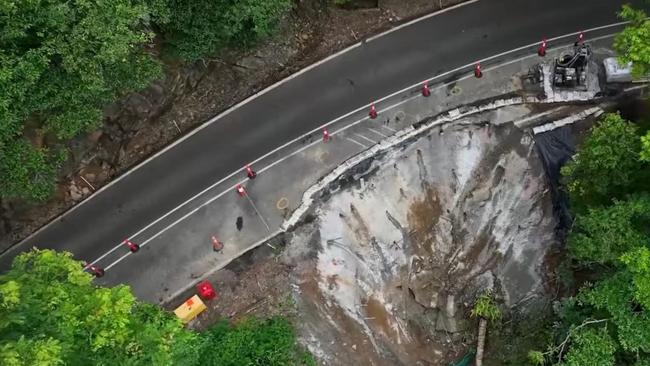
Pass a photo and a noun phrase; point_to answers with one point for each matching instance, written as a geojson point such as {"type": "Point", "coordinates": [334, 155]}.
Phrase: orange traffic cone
{"type": "Point", "coordinates": [326, 135]}
{"type": "Point", "coordinates": [542, 48]}
{"type": "Point", "coordinates": [425, 89]}
{"type": "Point", "coordinates": [217, 246]}
{"type": "Point", "coordinates": [373, 111]}
{"type": "Point", "coordinates": [240, 190]}
{"type": "Point", "coordinates": [250, 173]}
{"type": "Point", "coordinates": [132, 246]}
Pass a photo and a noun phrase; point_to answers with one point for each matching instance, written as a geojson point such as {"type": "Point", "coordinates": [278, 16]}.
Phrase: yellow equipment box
{"type": "Point", "coordinates": [190, 309]}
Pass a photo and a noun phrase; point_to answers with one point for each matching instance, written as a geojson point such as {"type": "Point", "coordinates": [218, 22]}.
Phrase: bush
{"type": "Point", "coordinates": [253, 342]}
{"type": "Point", "coordinates": [202, 27]}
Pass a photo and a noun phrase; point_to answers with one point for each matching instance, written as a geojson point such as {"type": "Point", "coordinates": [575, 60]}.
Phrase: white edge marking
{"type": "Point", "coordinates": [230, 189]}
{"type": "Point", "coordinates": [416, 20]}
{"type": "Point", "coordinates": [233, 108]}
{"type": "Point", "coordinates": [309, 145]}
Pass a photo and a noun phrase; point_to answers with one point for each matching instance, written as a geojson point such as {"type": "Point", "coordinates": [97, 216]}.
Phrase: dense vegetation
{"type": "Point", "coordinates": [62, 61]}
{"type": "Point", "coordinates": [52, 314]}
{"type": "Point", "coordinates": [608, 321]}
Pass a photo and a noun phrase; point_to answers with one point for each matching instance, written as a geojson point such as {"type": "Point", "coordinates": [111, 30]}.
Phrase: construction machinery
{"type": "Point", "coordinates": [571, 69]}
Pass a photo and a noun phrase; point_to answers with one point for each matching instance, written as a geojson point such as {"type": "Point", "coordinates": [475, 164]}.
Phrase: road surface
{"type": "Point", "coordinates": [344, 83]}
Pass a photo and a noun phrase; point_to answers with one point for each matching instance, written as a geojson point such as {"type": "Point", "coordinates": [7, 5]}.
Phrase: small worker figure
{"type": "Point", "coordinates": [239, 223]}
{"type": "Point", "coordinates": [217, 246]}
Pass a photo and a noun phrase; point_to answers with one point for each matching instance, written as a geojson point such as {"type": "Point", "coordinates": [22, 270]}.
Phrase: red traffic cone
{"type": "Point", "coordinates": [373, 111]}
{"type": "Point", "coordinates": [132, 246]}
{"type": "Point", "coordinates": [326, 135]}
{"type": "Point", "coordinates": [96, 271]}
{"type": "Point", "coordinates": [217, 246]}
{"type": "Point", "coordinates": [541, 51]}
{"type": "Point", "coordinates": [250, 172]}
{"type": "Point", "coordinates": [581, 37]}
{"type": "Point", "coordinates": [477, 70]}
{"type": "Point", "coordinates": [425, 89]}
{"type": "Point", "coordinates": [240, 190]}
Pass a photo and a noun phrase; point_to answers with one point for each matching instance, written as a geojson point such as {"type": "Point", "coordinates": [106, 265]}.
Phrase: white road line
{"type": "Point", "coordinates": [388, 128]}
{"type": "Point", "coordinates": [365, 138]}
{"type": "Point", "coordinates": [377, 132]}
{"type": "Point", "coordinates": [356, 142]}
{"type": "Point", "coordinates": [318, 129]}
{"type": "Point", "coordinates": [420, 19]}
{"type": "Point", "coordinates": [310, 145]}
{"type": "Point", "coordinates": [246, 101]}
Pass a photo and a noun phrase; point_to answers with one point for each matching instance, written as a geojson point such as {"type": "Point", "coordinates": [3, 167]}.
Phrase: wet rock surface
{"type": "Point", "coordinates": [400, 253]}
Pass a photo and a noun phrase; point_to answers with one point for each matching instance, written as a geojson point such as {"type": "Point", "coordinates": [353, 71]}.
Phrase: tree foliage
{"type": "Point", "coordinates": [60, 63]}
{"type": "Point", "coordinates": [633, 43]}
{"type": "Point", "coordinates": [28, 171]}
{"type": "Point", "coordinates": [51, 314]}
{"type": "Point", "coordinates": [645, 147]}
{"type": "Point", "coordinates": [48, 305]}
{"type": "Point", "coordinates": [202, 27]}
{"type": "Point", "coordinates": [603, 234]}
{"type": "Point", "coordinates": [485, 307]}
{"type": "Point", "coordinates": [591, 346]}
{"type": "Point", "coordinates": [608, 322]}
{"type": "Point", "coordinates": [607, 164]}
{"type": "Point", "coordinates": [253, 342]}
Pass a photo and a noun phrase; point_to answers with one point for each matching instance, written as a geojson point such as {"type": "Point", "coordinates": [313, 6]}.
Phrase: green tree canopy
{"type": "Point", "coordinates": [604, 233]}
{"type": "Point", "coordinates": [633, 43]}
{"type": "Point", "coordinates": [645, 147]}
{"type": "Point", "coordinates": [49, 306]}
{"type": "Point", "coordinates": [60, 63]}
{"type": "Point", "coordinates": [607, 164]}
{"type": "Point", "coordinates": [608, 322]}
{"type": "Point", "coordinates": [202, 27]}
{"type": "Point", "coordinates": [253, 342]}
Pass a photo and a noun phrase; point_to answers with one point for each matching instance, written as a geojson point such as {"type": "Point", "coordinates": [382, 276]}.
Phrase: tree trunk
{"type": "Point", "coordinates": [480, 343]}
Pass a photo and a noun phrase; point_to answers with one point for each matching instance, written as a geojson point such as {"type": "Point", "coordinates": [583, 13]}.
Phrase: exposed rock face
{"type": "Point", "coordinates": [404, 252]}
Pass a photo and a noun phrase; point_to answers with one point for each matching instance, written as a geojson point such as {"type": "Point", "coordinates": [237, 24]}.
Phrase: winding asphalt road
{"type": "Point", "coordinates": [353, 79]}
